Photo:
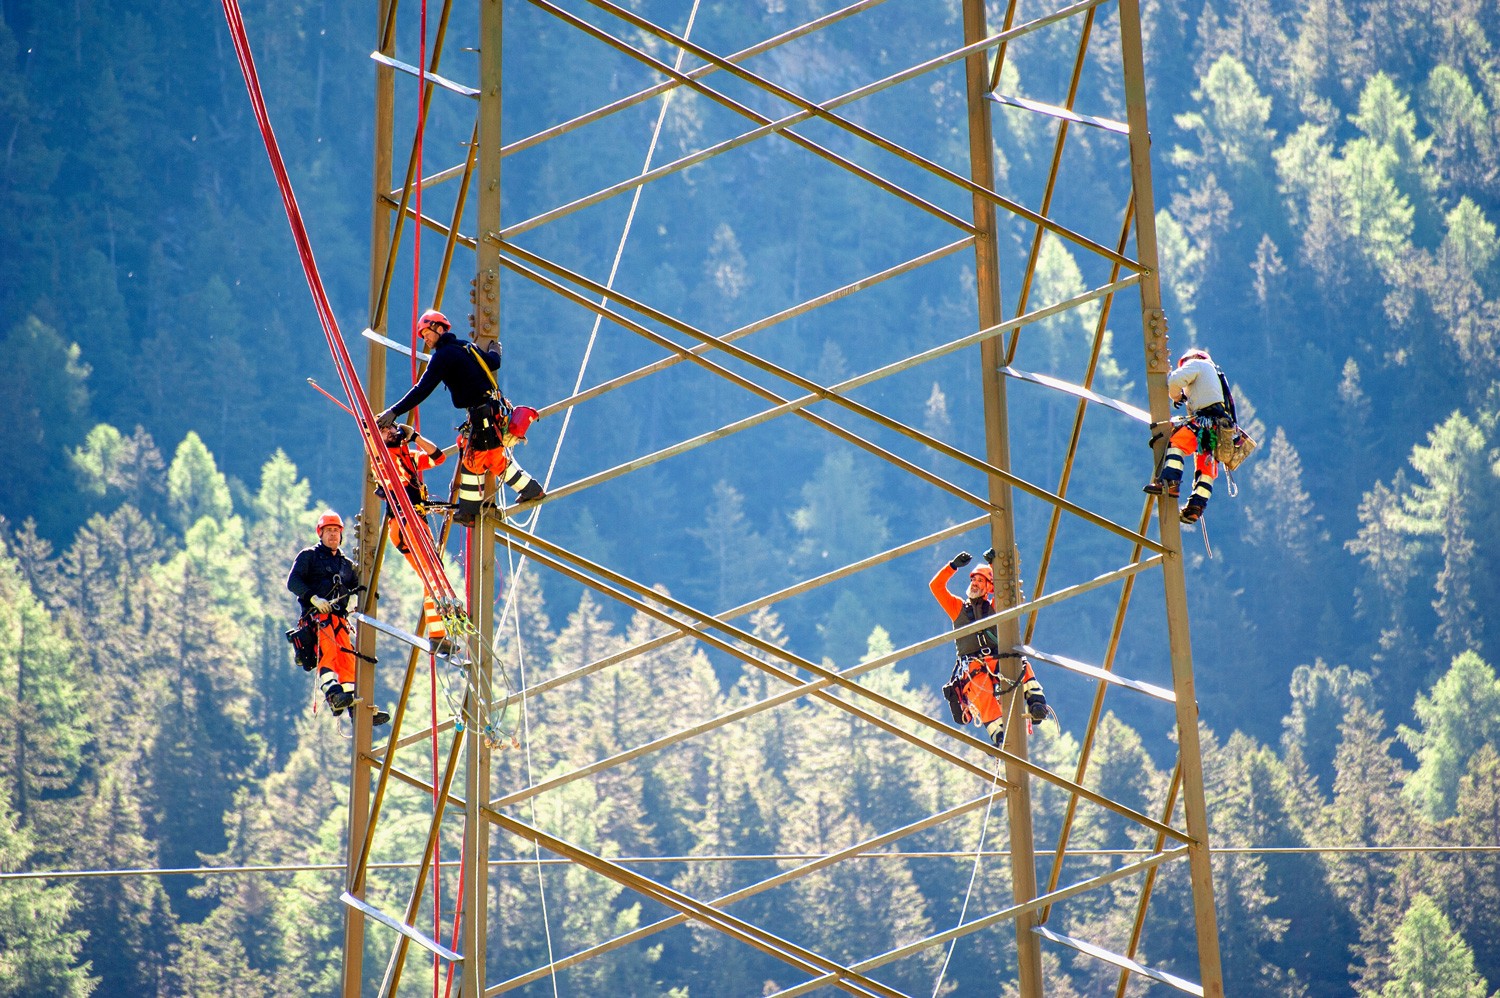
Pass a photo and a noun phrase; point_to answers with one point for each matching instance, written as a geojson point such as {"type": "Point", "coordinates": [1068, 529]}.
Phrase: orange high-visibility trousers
{"type": "Point", "coordinates": [335, 646]}
{"type": "Point", "coordinates": [979, 690]}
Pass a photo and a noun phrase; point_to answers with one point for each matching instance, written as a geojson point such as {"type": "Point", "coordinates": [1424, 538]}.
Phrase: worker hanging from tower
{"type": "Point", "coordinates": [1197, 383]}
{"type": "Point", "coordinates": [469, 375]}
{"type": "Point", "coordinates": [323, 580]}
{"type": "Point", "coordinates": [974, 690]}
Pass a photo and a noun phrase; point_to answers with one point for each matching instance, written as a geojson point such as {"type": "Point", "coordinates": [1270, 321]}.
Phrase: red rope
{"type": "Point", "coordinates": [437, 852]}
{"type": "Point", "coordinates": [429, 564]}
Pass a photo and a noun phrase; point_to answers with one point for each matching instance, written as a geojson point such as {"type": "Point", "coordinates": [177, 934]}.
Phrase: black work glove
{"type": "Point", "coordinates": [989, 556]}
{"type": "Point", "coordinates": [1178, 403]}
{"type": "Point", "coordinates": [531, 492]}
{"type": "Point", "coordinates": [960, 560]}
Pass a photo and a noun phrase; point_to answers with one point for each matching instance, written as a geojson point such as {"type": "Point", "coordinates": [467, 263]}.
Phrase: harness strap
{"type": "Point", "coordinates": [483, 366]}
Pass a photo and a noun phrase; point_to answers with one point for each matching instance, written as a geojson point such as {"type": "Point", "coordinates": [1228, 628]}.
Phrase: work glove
{"type": "Point", "coordinates": [989, 556]}
{"type": "Point", "coordinates": [1179, 401]}
{"type": "Point", "coordinates": [531, 492]}
{"type": "Point", "coordinates": [320, 604]}
{"type": "Point", "coordinates": [385, 419]}
{"type": "Point", "coordinates": [960, 560]}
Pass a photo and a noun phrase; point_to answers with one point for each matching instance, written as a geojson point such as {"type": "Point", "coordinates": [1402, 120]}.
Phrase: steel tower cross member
{"type": "Point", "coordinates": [474, 904]}
{"type": "Point", "coordinates": [1158, 363]}
{"type": "Point", "coordinates": [1002, 521]}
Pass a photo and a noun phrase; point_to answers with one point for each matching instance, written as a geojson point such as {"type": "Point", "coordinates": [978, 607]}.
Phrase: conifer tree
{"type": "Point", "coordinates": [40, 955]}
{"type": "Point", "coordinates": [42, 727]}
{"type": "Point", "coordinates": [1470, 881]}
{"type": "Point", "coordinates": [1429, 958]}
{"type": "Point", "coordinates": [1461, 714]}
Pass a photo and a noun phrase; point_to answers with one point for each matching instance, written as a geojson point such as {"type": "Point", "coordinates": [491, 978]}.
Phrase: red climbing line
{"type": "Point", "coordinates": [413, 527]}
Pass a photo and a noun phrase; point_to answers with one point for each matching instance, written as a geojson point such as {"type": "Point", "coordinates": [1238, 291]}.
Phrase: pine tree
{"type": "Point", "coordinates": [1389, 555]}
{"type": "Point", "coordinates": [1321, 698]}
{"type": "Point", "coordinates": [1451, 467]}
{"type": "Point", "coordinates": [740, 562]}
{"type": "Point", "coordinates": [1428, 958]}
{"type": "Point", "coordinates": [39, 955]}
{"type": "Point", "coordinates": [1471, 881]}
{"type": "Point", "coordinates": [1368, 810]}
{"type": "Point", "coordinates": [42, 733]}
{"type": "Point", "coordinates": [131, 931]}
{"type": "Point", "coordinates": [48, 379]}
{"type": "Point", "coordinates": [1461, 714]}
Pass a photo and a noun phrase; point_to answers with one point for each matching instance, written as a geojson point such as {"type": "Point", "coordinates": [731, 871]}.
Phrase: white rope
{"type": "Point", "coordinates": [510, 559]}
{"type": "Point", "coordinates": [518, 568]}
{"type": "Point", "coordinates": [973, 875]}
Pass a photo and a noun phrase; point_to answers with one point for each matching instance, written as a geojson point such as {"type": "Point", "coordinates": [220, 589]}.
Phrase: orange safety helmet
{"type": "Point", "coordinates": [986, 577]}
{"type": "Point", "coordinates": [521, 418]}
{"type": "Point", "coordinates": [432, 317]}
{"type": "Point", "coordinates": [330, 519]}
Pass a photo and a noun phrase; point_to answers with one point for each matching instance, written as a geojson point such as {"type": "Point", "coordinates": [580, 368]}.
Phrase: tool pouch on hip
{"type": "Point", "coordinates": [484, 429]}
{"type": "Point", "coordinates": [304, 641]}
{"type": "Point", "coordinates": [956, 702]}
{"type": "Point", "coordinates": [1234, 446]}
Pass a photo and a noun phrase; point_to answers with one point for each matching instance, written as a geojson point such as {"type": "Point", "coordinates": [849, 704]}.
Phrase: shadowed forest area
{"type": "Point", "coordinates": [1328, 182]}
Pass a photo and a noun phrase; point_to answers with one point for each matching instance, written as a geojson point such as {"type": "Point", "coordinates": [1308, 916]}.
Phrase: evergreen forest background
{"type": "Point", "coordinates": [1328, 179]}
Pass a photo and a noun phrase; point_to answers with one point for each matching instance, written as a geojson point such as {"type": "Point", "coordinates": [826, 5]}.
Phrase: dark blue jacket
{"type": "Point", "coordinates": [453, 365]}
{"type": "Point", "coordinates": [315, 573]}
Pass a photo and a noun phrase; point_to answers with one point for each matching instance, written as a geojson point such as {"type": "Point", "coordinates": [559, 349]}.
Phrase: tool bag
{"type": "Point", "coordinates": [1234, 446]}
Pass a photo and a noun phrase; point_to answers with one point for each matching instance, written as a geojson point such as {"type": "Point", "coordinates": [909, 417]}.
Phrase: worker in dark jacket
{"type": "Point", "coordinates": [323, 580]}
{"type": "Point", "coordinates": [976, 686]}
{"type": "Point", "coordinates": [464, 369]}
{"type": "Point", "coordinates": [468, 373]}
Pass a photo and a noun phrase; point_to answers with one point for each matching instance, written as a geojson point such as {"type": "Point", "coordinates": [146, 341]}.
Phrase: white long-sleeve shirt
{"type": "Point", "coordinates": [1199, 379]}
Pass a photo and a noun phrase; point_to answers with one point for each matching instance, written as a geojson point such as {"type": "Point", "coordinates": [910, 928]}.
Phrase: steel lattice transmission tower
{"type": "Point", "coordinates": [939, 180]}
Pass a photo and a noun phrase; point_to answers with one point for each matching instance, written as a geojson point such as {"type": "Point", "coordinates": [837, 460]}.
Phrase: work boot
{"type": "Point", "coordinates": [339, 700]}
{"type": "Point", "coordinates": [464, 517]}
{"type": "Point", "coordinates": [1192, 510]}
{"type": "Point", "coordinates": [1036, 704]}
{"type": "Point", "coordinates": [381, 717]}
{"type": "Point", "coordinates": [442, 646]}
{"type": "Point", "coordinates": [1157, 486]}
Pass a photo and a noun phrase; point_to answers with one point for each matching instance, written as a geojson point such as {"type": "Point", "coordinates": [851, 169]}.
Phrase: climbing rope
{"type": "Point", "coordinates": [430, 569]}
{"type": "Point", "coordinates": [963, 910]}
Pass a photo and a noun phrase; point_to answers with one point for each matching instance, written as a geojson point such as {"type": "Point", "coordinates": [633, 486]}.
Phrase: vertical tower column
{"type": "Point", "coordinates": [1158, 364]}
{"type": "Point", "coordinates": [481, 584]}
{"type": "Point", "coordinates": [368, 536]}
{"type": "Point", "coordinates": [1002, 520]}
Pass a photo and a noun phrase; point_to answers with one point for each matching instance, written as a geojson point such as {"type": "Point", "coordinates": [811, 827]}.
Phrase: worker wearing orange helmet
{"type": "Point", "coordinates": [1197, 383]}
{"type": "Point", "coordinates": [323, 580]}
{"type": "Point", "coordinates": [468, 373]}
{"type": "Point", "coordinates": [976, 686]}
{"type": "Point", "coordinates": [413, 454]}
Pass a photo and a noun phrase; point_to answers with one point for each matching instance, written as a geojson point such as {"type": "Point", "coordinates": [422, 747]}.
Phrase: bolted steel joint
{"type": "Point", "coordinates": [1158, 355]}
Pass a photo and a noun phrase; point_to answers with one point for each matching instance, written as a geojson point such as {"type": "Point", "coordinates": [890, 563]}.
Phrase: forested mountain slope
{"type": "Point", "coordinates": [1328, 174]}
